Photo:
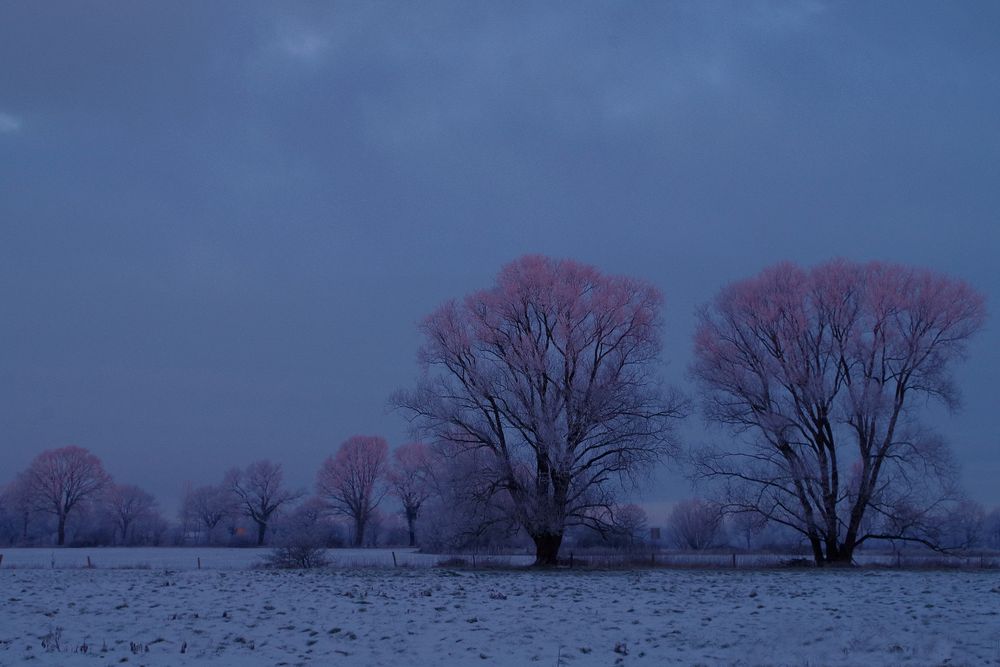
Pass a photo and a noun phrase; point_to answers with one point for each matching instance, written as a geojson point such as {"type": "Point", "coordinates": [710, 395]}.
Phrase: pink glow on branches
{"type": "Point", "coordinates": [813, 361]}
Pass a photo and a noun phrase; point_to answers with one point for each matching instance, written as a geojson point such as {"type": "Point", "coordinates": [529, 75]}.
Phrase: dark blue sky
{"type": "Point", "coordinates": [221, 222]}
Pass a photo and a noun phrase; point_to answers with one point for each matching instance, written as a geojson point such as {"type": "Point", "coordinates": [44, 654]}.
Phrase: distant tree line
{"type": "Point", "coordinates": [540, 407]}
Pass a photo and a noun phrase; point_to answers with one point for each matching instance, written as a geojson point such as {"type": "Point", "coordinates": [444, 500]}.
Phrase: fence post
{"type": "Point", "coordinates": [734, 560]}
{"type": "Point", "coordinates": [1, 560]}
{"type": "Point", "coordinates": [394, 559]}
{"type": "Point", "coordinates": [570, 560]}
{"type": "Point", "coordinates": [89, 564]}
{"type": "Point", "coordinates": [199, 562]}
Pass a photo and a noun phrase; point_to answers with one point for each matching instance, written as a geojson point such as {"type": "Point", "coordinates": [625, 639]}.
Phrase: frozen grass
{"type": "Point", "coordinates": [187, 558]}
{"type": "Point", "coordinates": [446, 617]}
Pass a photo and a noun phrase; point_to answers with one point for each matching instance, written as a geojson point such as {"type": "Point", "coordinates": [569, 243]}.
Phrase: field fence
{"type": "Point", "coordinates": [192, 558]}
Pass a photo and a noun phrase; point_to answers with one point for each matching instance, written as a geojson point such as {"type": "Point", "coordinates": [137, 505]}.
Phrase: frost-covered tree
{"type": "Point", "coordinates": [409, 476]}
{"type": "Point", "coordinates": [631, 523]}
{"type": "Point", "coordinates": [991, 529]}
{"type": "Point", "coordinates": [259, 493]}
{"type": "Point", "coordinates": [695, 524]}
{"type": "Point", "coordinates": [745, 527]}
{"type": "Point", "coordinates": [128, 505]}
{"type": "Point", "coordinates": [821, 375]}
{"type": "Point", "coordinates": [352, 480]}
{"type": "Point", "coordinates": [205, 508]}
{"type": "Point", "coordinates": [553, 373]}
{"type": "Point", "coordinates": [17, 510]}
{"type": "Point", "coordinates": [59, 481]}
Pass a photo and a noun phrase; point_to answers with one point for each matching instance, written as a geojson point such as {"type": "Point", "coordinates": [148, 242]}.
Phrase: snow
{"type": "Point", "coordinates": [382, 616]}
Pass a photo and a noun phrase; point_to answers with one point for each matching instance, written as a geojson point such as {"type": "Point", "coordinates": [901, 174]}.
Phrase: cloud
{"type": "Point", "coordinates": [304, 44]}
{"type": "Point", "coordinates": [9, 123]}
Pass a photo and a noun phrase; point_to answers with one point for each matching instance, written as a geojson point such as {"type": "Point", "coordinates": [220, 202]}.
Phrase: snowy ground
{"type": "Point", "coordinates": [411, 616]}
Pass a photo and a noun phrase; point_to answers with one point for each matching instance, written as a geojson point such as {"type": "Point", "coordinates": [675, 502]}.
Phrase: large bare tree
{"type": "Point", "coordinates": [259, 493]}
{"type": "Point", "coordinates": [554, 373]}
{"type": "Point", "coordinates": [821, 374]}
{"type": "Point", "coordinates": [59, 480]}
{"type": "Point", "coordinates": [352, 480]}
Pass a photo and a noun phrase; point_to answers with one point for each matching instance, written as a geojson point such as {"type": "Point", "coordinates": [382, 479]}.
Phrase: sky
{"type": "Point", "coordinates": [220, 223]}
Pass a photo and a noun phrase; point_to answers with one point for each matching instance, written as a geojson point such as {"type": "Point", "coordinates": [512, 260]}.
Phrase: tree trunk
{"type": "Point", "coordinates": [547, 549]}
{"type": "Point", "coordinates": [817, 549]}
{"type": "Point", "coordinates": [842, 556]}
{"type": "Point", "coordinates": [261, 529]}
{"type": "Point", "coordinates": [359, 532]}
{"type": "Point", "coordinates": [62, 530]}
{"type": "Point", "coordinates": [411, 520]}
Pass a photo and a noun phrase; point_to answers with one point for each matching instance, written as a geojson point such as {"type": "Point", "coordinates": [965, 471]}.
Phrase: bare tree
{"type": "Point", "coordinates": [128, 504]}
{"type": "Point", "coordinates": [19, 507]}
{"type": "Point", "coordinates": [694, 524]}
{"type": "Point", "coordinates": [302, 537]}
{"type": "Point", "coordinates": [259, 493]}
{"type": "Point", "coordinates": [821, 372]}
{"type": "Point", "coordinates": [964, 526]}
{"type": "Point", "coordinates": [553, 373]}
{"type": "Point", "coordinates": [206, 507]}
{"type": "Point", "coordinates": [59, 480]}
{"type": "Point", "coordinates": [746, 526]}
{"type": "Point", "coordinates": [351, 481]}
{"type": "Point", "coordinates": [409, 476]}
{"type": "Point", "coordinates": [991, 529]}
{"type": "Point", "coordinates": [630, 524]}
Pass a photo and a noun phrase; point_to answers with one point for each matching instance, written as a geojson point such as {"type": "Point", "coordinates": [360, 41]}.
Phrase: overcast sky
{"type": "Point", "coordinates": [221, 222]}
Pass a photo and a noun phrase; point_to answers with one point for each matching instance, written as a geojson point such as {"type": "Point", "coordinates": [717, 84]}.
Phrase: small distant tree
{"type": "Point", "coordinates": [301, 541]}
{"type": "Point", "coordinates": [964, 526]}
{"type": "Point", "coordinates": [630, 524]}
{"type": "Point", "coordinates": [746, 526]}
{"type": "Point", "coordinates": [409, 478]}
{"type": "Point", "coordinates": [127, 505]}
{"type": "Point", "coordinates": [694, 524]}
{"type": "Point", "coordinates": [991, 529]}
{"type": "Point", "coordinates": [18, 510]}
{"type": "Point", "coordinates": [259, 493]}
{"type": "Point", "coordinates": [58, 481]}
{"type": "Point", "coordinates": [206, 507]}
{"type": "Point", "coordinates": [352, 480]}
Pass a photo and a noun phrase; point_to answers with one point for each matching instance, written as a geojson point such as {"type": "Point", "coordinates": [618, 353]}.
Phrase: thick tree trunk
{"type": "Point", "coordinates": [817, 548]}
{"type": "Point", "coordinates": [842, 556]}
{"type": "Point", "coordinates": [261, 529]}
{"type": "Point", "coordinates": [359, 532]}
{"type": "Point", "coordinates": [547, 549]}
{"type": "Point", "coordinates": [835, 556]}
{"type": "Point", "coordinates": [62, 530]}
{"type": "Point", "coordinates": [411, 520]}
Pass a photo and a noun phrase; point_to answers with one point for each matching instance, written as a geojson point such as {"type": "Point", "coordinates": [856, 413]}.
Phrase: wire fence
{"type": "Point", "coordinates": [222, 558]}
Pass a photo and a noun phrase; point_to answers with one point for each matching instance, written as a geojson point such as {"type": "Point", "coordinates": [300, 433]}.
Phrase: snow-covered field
{"type": "Point", "coordinates": [417, 616]}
